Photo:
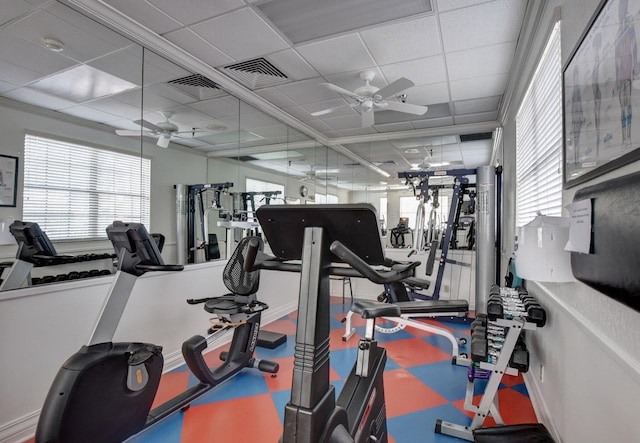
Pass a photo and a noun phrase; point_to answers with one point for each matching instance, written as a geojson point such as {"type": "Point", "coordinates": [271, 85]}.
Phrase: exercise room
{"type": "Point", "coordinates": [310, 222]}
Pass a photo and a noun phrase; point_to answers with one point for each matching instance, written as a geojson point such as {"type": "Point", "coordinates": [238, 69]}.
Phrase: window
{"type": "Point", "coordinates": [252, 185]}
{"type": "Point", "coordinates": [74, 192]}
{"type": "Point", "coordinates": [539, 139]}
{"type": "Point", "coordinates": [326, 198]}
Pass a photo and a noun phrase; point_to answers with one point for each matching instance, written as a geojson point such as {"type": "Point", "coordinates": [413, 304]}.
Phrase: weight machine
{"type": "Point", "coordinates": [487, 203]}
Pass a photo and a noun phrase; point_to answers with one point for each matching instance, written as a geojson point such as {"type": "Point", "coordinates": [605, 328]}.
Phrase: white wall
{"type": "Point", "coordinates": [590, 348]}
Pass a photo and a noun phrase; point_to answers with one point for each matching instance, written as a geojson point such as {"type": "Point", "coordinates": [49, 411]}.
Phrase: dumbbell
{"type": "Point", "coordinates": [520, 358]}
{"type": "Point", "coordinates": [479, 349]}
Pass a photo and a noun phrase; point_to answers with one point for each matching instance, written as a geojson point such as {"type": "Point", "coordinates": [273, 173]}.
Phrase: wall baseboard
{"type": "Point", "coordinates": [539, 405]}
{"type": "Point", "coordinates": [20, 429]}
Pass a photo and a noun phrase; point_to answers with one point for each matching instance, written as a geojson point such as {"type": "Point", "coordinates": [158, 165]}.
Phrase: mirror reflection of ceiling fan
{"type": "Point", "coordinates": [369, 98]}
{"type": "Point", "coordinates": [163, 131]}
{"type": "Point", "coordinates": [429, 163]}
{"type": "Point", "coordinates": [314, 174]}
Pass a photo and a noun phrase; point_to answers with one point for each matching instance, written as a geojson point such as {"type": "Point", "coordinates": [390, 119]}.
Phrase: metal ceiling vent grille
{"type": "Point", "coordinates": [257, 73]}
{"type": "Point", "coordinates": [198, 86]}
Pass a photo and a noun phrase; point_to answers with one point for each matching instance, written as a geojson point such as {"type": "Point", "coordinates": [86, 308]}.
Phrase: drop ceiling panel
{"type": "Point", "coordinates": [477, 105]}
{"type": "Point", "coordinates": [421, 71]}
{"type": "Point", "coordinates": [482, 25]}
{"type": "Point", "coordinates": [30, 57]}
{"type": "Point", "coordinates": [90, 113]}
{"type": "Point", "coordinates": [38, 98]}
{"type": "Point", "coordinates": [403, 41]}
{"type": "Point", "coordinates": [10, 9]}
{"type": "Point", "coordinates": [194, 44]}
{"type": "Point", "coordinates": [488, 60]}
{"type": "Point", "coordinates": [432, 123]}
{"type": "Point", "coordinates": [275, 96]}
{"type": "Point", "coordinates": [188, 12]}
{"type": "Point", "coordinates": [391, 127]}
{"type": "Point", "coordinates": [219, 107]}
{"type": "Point", "coordinates": [344, 122]}
{"type": "Point", "coordinates": [159, 69]}
{"type": "Point", "coordinates": [152, 101]}
{"type": "Point", "coordinates": [116, 107]}
{"type": "Point", "coordinates": [357, 131]}
{"type": "Point", "coordinates": [241, 34]}
{"type": "Point", "coordinates": [478, 87]}
{"type": "Point", "coordinates": [292, 64]}
{"type": "Point", "coordinates": [341, 107]}
{"type": "Point", "coordinates": [429, 94]}
{"type": "Point", "coordinates": [17, 75]}
{"type": "Point", "coordinates": [306, 91]}
{"type": "Point", "coordinates": [346, 53]}
{"type": "Point", "coordinates": [146, 15]}
{"type": "Point", "coordinates": [476, 118]}
{"type": "Point", "coordinates": [125, 64]}
{"type": "Point", "coordinates": [4, 86]}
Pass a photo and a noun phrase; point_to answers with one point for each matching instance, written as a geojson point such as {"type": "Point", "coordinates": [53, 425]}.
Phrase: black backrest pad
{"type": "Point", "coordinates": [235, 277]}
{"type": "Point", "coordinates": [135, 238]}
{"type": "Point", "coordinates": [612, 267]}
{"type": "Point", "coordinates": [354, 225]}
{"type": "Point", "coordinates": [30, 234]}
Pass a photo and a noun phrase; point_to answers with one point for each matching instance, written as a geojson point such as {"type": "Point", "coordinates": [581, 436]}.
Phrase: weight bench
{"type": "Point", "coordinates": [410, 311]}
{"type": "Point", "coordinates": [524, 433]}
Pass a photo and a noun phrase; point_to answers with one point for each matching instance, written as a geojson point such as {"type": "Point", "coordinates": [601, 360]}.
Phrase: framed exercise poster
{"type": "Point", "coordinates": [8, 180]}
{"type": "Point", "coordinates": [601, 84]}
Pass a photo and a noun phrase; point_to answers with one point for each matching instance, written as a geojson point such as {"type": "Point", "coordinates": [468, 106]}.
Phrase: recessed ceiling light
{"type": "Point", "coordinates": [53, 44]}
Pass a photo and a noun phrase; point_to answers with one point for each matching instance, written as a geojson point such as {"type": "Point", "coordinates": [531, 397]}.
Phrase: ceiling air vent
{"type": "Point", "coordinates": [257, 73]}
{"type": "Point", "coordinates": [198, 86]}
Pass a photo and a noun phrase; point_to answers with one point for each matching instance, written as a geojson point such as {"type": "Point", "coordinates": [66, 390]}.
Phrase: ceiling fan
{"type": "Point", "coordinates": [314, 174]}
{"type": "Point", "coordinates": [163, 131]}
{"type": "Point", "coordinates": [369, 97]}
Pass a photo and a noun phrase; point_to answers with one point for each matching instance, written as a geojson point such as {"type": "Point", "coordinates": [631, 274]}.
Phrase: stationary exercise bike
{"type": "Point", "coordinates": [104, 392]}
{"type": "Point", "coordinates": [319, 235]}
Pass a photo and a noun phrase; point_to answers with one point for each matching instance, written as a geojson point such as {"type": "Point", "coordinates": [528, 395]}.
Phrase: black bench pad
{"type": "Point", "coordinates": [374, 309]}
{"type": "Point", "coordinates": [417, 283]}
{"type": "Point", "coordinates": [432, 306]}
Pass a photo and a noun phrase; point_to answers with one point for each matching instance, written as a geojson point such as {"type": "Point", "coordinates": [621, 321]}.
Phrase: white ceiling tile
{"type": "Point", "coordinates": [78, 45]}
{"type": "Point", "coordinates": [275, 96]}
{"type": "Point", "coordinates": [485, 24]}
{"type": "Point", "coordinates": [159, 69]}
{"type": "Point", "coordinates": [87, 25]}
{"type": "Point", "coordinates": [344, 122]}
{"type": "Point", "coordinates": [38, 98]}
{"type": "Point", "coordinates": [17, 75]}
{"type": "Point", "coordinates": [292, 64]}
{"type": "Point", "coordinates": [390, 127]}
{"type": "Point", "coordinates": [478, 87]}
{"type": "Point", "coordinates": [227, 106]}
{"type": "Point", "coordinates": [30, 58]}
{"type": "Point", "coordinates": [428, 94]}
{"type": "Point", "coordinates": [152, 101]}
{"type": "Point", "coordinates": [422, 71]}
{"type": "Point", "coordinates": [11, 9]}
{"type": "Point", "coordinates": [146, 15]}
{"type": "Point", "coordinates": [88, 113]}
{"type": "Point", "coordinates": [319, 125]}
{"type": "Point", "coordinates": [477, 105]}
{"type": "Point", "coordinates": [448, 5]}
{"type": "Point", "coordinates": [307, 91]}
{"type": "Point", "coordinates": [170, 92]}
{"type": "Point", "coordinates": [271, 131]}
{"type": "Point", "coordinates": [125, 64]}
{"type": "Point", "coordinates": [404, 41]}
{"type": "Point", "coordinates": [473, 63]}
{"type": "Point", "coordinates": [4, 86]}
{"type": "Point", "coordinates": [192, 43]}
{"type": "Point", "coordinates": [299, 112]}
{"type": "Point", "coordinates": [241, 34]}
{"type": "Point", "coordinates": [357, 131]}
{"type": "Point", "coordinates": [341, 54]}
{"type": "Point", "coordinates": [188, 12]}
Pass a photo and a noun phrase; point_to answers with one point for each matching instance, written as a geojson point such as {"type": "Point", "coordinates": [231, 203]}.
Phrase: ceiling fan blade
{"type": "Point", "coordinates": [406, 108]}
{"type": "Point", "coordinates": [341, 91]}
{"type": "Point", "coordinates": [148, 125]}
{"type": "Point", "coordinates": [327, 111]}
{"type": "Point", "coordinates": [163, 140]}
{"type": "Point", "coordinates": [367, 118]}
{"type": "Point", "coordinates": [393, 88]}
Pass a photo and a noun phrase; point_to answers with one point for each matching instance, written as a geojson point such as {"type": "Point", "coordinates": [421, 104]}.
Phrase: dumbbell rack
{"type": "Point", "coordinates": [512, 311]}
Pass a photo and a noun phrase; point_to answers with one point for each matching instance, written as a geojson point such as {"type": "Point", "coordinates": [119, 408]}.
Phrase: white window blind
{"type": "Point", "coordinates": [326, 198]}
{"type": "Point", "coordinates": [74, 192]}
{"type": "Point", "coordinates": [539, 139]}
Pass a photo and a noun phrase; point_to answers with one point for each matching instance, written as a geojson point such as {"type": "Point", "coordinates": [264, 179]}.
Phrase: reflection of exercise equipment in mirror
{"type": "Point", "coordinates": [190, 212]}
{"type": "Point", "coordinates": [320, 235]}
{"type": "Point", "coordinates": [243, 216]}
{"type": "Point", "coordinates": [400, 232]}
{"type": "Point", "coordinates": [36, 250]}
{"type": "Point", "coordinates": [104, 392]}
